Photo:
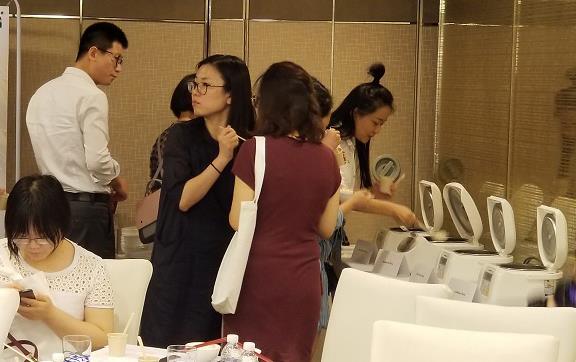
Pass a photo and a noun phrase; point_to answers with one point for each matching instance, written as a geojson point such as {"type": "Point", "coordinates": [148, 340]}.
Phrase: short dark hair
{"type": "Point", "coordinates": [287, 102]}
{"type": "Point", "coordinates": [237, 82]}
{"type": "Point", "coordinates": [101, 35]}
{"type": "Point", "coordinates": [323, 97]}
{"type": "Point", "coordinates": [363, 99]}
{"type": "Point", "coordinates": [181, 100]}
{"type": "Point", "coordinates": [36, 202]}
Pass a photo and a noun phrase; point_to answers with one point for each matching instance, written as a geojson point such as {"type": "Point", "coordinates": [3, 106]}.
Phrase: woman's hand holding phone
{"type": "Point", "coordinates": [34, 307]}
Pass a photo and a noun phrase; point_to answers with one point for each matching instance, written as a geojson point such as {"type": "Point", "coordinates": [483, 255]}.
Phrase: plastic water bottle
{"type": "Point", "coordinates": [231, 351]}
{"type": "Point", "coordinates": [249, 355]}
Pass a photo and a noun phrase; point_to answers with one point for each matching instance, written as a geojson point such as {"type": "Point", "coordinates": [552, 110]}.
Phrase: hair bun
{"type": "Point", "coordinates": [377, 71]}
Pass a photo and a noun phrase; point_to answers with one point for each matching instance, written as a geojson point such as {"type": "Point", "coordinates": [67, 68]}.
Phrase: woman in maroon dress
{"type": "Point", "coordinates": [279, 303]}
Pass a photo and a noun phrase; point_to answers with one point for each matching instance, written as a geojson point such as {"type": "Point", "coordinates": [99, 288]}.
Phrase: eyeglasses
{"type": "Point", "coordinates": [201, 86]}
{"type": "Point", "coordinates": [119, 58]}
{"type": "Point", "coordinates": [22, 241]}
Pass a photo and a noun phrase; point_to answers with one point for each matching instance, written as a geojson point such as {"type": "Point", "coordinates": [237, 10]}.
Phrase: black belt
{"type": "Point", "coordinates": [87, 197]}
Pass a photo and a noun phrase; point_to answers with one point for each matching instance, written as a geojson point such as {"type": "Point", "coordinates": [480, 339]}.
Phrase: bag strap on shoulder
{"type": "Point", "coordinates": [158, 169]}
{"type": "Point", "coordinates": [259, 166]}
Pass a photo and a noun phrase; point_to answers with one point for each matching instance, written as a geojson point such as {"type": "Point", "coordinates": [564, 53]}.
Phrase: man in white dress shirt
{"type": "Point", "coordinates": [67, 120]}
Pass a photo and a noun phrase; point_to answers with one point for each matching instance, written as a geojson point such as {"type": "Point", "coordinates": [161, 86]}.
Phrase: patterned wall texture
{"type": "Point", "coordinates": [48, 46]}
{"type": "Point", "coordinates": [507, 110]}
{"type": "Point", "coordinates": [304, 43]}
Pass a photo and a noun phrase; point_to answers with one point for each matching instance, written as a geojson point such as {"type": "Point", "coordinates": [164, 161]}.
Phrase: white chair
{"type": "Point", "coordinates": [403, 342]}
{"type": "Point", "coordinates": [9, 301]}
{"type": "Point", "coordinates": [130, 279]}
{"type": "Point", "coordinates": [362, 298]}
{"type": "Point", "coordinates": [557, 322]}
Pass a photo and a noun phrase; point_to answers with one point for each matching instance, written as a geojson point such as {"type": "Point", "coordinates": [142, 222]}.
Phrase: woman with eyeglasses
{"type": "Point", "coordinates": [193, 230]}
{"type": "Point", "coordinates": [80, 298]}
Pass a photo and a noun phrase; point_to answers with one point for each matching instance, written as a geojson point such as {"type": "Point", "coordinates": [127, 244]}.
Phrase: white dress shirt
{"type": "Point", "coordinates": [67, 120]}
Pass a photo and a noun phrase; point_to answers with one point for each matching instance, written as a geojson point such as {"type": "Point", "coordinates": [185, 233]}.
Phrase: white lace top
{"type": "Point", "coordinates": [84, 283]}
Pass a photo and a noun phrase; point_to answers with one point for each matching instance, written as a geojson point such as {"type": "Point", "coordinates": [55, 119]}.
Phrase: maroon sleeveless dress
{"type": "Point", "coordinates": [279, 305]}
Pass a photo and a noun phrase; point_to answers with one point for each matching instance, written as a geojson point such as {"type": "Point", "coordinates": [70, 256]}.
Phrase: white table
{"type": "Point", "coordinates": [132, 354]}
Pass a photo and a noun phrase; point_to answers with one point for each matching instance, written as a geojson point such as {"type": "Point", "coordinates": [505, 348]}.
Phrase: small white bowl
{"type": "Point", "coordinates": [206, 353]}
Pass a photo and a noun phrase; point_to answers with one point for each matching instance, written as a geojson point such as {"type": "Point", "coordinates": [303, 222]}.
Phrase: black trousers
{"type": "Point", "coordinates": [92, 227]}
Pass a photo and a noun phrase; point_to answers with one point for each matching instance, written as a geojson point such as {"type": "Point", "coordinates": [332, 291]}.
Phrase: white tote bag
{"type": "Point", "coordinates": [231, 272]}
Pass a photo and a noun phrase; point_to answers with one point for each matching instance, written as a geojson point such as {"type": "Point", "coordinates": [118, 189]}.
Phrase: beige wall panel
{"type": "Point", "coordinates": [297, 10]}
{"type": "Point", "coordinates": [41, 7]}
{"type": "Point", "coordinates": [356, 47]}
{"type": "Point", "coordinates": [48, 46]}
{"type": "Point", "coordinates": [307, 44]}
{"type": "Point", "coordinates": [474, 111]}
{"type": "Point", "coordinates": [159, 55]}
{"type": "Point", "coordinates": [145, 9]}
{"type": "Point", "coordinates": [227, 37]}
{"type": "Point", "coordinates": [227, 9]}
{"type": "Point", "coordinates": [427, 107]}
{"type": "Point", "coordinates": [376, 10]}
{"type": "Point", "coordinates": [545, 114]}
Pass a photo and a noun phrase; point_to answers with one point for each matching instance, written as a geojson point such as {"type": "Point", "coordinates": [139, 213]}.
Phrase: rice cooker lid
{"type": "Point", "coordinates": [431, 205]}
{"type": "Point", "coordinates": [552, 237]}
{"type": "Point", "coordinates": [463, 211]}
{"type": "Point", "coordinates": [502, 226]}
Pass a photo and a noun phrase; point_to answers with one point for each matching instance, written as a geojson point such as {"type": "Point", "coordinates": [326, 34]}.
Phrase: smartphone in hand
{"type": "Point", "coordinates": [27, 293]}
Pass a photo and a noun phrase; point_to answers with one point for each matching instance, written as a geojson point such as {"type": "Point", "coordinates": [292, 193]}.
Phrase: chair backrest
{"type": "Point", "coordinates": [9, 301]}
{"type": "Point", "coordinates": [404, 342]}
{"type": "Point", "coordinates": [361, 299]}
{"type": "Point", "coordinates": [130, 279]}
{"type": "Point", "coordinates": [557, 322]}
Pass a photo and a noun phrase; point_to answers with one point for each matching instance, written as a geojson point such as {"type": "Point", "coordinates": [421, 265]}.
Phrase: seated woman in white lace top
{"type": "Point", "coordinates": [80, 299]}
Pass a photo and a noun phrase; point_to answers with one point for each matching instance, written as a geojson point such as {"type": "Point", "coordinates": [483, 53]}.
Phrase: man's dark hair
{"type": "Point", "coordinates": [101, 35]}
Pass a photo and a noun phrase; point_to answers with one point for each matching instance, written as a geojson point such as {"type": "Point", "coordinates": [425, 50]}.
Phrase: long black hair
{"type": "Point", "coordinates": [323, 97]}
{"type": "Point", "coordinates": [237, 82]}
{"type": "Point", "coordinates": [362, 100]}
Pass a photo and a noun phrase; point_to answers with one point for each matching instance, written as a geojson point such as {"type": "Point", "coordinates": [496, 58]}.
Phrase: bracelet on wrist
{"type": "Point", "coordinates": [216, 168]}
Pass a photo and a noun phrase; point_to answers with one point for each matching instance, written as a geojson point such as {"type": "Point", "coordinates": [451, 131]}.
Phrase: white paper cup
{"type": "Point", "coordinates": [117, 344]}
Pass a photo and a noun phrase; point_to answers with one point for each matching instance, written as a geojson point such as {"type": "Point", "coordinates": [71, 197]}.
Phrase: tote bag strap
{"type": "Point", "coordinates": [158, 172]}
{"type": "Point", "coordinates": [259, 166]}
